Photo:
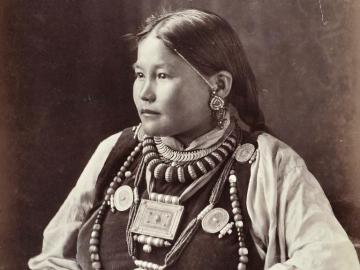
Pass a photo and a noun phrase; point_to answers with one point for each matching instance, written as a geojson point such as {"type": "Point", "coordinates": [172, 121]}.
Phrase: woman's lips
{"type": "Point", "coordinates": [148, 112]}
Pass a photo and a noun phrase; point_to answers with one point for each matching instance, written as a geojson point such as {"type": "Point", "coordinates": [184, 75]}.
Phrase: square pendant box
{"type": "Point", "coordinates": [157, 219]}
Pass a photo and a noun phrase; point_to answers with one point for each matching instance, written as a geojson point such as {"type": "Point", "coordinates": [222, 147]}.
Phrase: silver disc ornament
{"type": "Point", "coordinates": [123, 198]}
{"type": "Point", "coordinates": [244, 152]}
{"type": "Point", "coordinates": [215, 220]}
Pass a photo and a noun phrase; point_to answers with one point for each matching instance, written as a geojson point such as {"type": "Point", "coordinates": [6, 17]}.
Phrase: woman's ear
{"type": "Point", "coordinates": [222, 82]}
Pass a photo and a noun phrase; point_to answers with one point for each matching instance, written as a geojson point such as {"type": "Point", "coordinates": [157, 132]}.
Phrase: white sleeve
{"type": "Point", "coordinates": [293, 225]}
{"type": "Point", "coordinates": [313, 237]}
{"type": "Point", "coordinates": [60, 236]}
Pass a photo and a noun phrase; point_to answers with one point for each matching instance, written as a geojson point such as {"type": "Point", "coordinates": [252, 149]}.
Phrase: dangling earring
{"type": "Point", "coordinates": [218, 109]}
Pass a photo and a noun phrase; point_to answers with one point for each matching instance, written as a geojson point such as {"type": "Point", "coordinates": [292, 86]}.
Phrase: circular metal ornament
{"type": "Point", "coordinates": [215, 220]}
{"type": "Point", "coordinates": [244, 152]}
{"type": "Point", "coordinates": [217, 103]}
{"type": "Point", "coordinates": [123, 198]}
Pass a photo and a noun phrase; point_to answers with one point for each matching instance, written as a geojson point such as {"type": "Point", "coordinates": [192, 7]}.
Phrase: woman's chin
{"type": "Point", "coordinates": [152, 129]}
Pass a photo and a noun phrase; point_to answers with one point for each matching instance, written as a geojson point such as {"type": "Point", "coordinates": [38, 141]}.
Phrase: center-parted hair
{"type": "Point", "coordinates": [210, 44]}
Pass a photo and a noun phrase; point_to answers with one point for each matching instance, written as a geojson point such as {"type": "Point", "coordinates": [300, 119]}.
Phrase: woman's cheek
{"type": "Point", "coordinates": [171, 94]}
{"type": "Point", "coordinates": [136, 89]}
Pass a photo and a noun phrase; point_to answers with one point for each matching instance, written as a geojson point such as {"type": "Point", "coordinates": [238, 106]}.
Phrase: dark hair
{"type": "Point", "coordinates": [210, 44]}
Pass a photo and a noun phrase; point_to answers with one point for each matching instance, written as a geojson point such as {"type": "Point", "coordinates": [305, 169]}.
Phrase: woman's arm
{"type": "Point", "coordinates": [308, 231]}
{"type": "Point", "coordinates": [60, 236]}
{"type": "Point", "coordinates": [292, 221]}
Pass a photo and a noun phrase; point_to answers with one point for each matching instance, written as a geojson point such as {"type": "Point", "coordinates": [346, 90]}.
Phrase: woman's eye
{"type": "Point", "coordinates": [139, 75]}
{"type": "Point", "coordinates": [162, 76]}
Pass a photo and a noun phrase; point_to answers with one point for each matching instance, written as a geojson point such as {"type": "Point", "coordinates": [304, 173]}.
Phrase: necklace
{"type": "Point", "coordinates": [186, 234]}
{"type": "Point", "coordinates": [193, 168]}
{"type": "Point", "coordinates": [94, 242]}
{"type": "Point", "coordinates": [158, 218]}
{"type": "Point", "coordinates": [185, 156]}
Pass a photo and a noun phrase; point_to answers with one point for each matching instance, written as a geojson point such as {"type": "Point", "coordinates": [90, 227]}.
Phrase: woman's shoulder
{"type": "Point", "coordinates": [276, 153]}
{"type": "Point", "coordinates": [110, 140]}
{"type": "Point", "coordinates": [107, 144]}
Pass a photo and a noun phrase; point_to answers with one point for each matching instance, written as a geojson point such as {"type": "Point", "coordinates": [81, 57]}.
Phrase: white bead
{"type": "Point", "coordinates": [127, 174]}
{"type": "Point", "coordinates": [239, 224]}
{"type": "Point", "coordinates": [141, 238]}
{"type": "Point", "coordinates": [232, 178]}
{"type": "Point", "coordinates": [147, 248]}
{"type": "Point", "coordinates": [243, 251]}
{"type": "Point", "coordinates": [232, 190]}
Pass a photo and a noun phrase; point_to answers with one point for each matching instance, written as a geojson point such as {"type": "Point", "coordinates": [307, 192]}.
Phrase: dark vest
{"type": "Point", "coordinates": [205, 251]}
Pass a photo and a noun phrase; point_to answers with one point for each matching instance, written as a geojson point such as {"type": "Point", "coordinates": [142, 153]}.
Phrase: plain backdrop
{"type": "Point", "coordinates": [66, 84]}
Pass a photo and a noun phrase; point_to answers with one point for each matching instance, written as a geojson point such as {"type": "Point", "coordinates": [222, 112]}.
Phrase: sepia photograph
{"type": "Point", "coordinates": [180, 134]}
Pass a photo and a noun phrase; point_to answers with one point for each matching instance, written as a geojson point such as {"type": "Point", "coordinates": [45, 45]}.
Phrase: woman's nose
{"type": "Point", "coordinates": [147, 92]}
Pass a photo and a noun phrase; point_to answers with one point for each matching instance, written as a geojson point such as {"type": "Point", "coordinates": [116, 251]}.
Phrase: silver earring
{"type": "Point", "coordinates": [218, 109]}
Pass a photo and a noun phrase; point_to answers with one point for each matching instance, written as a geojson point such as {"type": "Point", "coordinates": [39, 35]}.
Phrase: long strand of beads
{"type": "Point", "coordinates": [94, 243]}
{"type": "Point", "coordinates": [143, 265]}
{"type": "Point", "coordinates": [187, 234]}
{"type": "Point", "coordinates": [149, 242]}
{"type": "Point", "coordinates": [239, 224]}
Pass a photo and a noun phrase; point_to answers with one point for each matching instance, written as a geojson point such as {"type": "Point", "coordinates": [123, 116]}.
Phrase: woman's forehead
{"type": "Point", "coordinates": [152, 51]}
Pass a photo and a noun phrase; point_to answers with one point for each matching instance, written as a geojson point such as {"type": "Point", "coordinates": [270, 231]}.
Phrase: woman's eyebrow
{"type": "Point", "coordinates": [160, 65]}
{"type": "Point", "coordinates": [135, 65]}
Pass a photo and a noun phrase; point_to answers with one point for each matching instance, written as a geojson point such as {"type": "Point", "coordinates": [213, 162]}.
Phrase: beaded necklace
{"type": "Point", "coordinates": [193, 167]}
{"type": "Point", "coordinates": [186, 234]}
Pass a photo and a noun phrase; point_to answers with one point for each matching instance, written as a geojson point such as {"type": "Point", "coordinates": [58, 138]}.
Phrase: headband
{"type": "Point", "coordinates": [195, 69]}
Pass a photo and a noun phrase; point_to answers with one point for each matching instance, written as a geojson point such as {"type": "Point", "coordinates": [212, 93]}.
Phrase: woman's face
{"type": "Point", "coordinates": [171, 99]}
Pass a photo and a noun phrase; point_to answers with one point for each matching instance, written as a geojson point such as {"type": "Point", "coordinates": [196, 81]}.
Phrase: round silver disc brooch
{"type": "Point", "coordinates": [244, 152]}
{"type": "Point", "coordinates": [215, 220]}
{"type": "Point", "coordinates": [123, 198]}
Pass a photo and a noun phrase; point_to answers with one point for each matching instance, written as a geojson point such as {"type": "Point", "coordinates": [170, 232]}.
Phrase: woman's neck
{"type": "Point", "coordinates": [203, 139]}
{"type": "Point", "coordinates": [186, 138]}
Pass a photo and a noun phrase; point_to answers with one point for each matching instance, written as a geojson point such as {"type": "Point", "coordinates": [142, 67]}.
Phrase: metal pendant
{"type": "Point", "coordinates": [157, 219]}
{"type": "Point", "coordinates": [215, 220]}
{"type": "Point", "coordinates": [123, 198]}
{"type": "Point", "coordinates": [244, 152]}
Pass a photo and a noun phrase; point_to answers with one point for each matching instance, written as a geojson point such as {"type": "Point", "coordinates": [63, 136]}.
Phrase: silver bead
{"type": "Point", "coordinates": [236, 210]}
{"type": "Point", "coordinates": [237, 217]}
{"type": "Point", "coordinates": [94, 241]}
{"type": "Point", "coordinates": [181, 175]}
{"type": "Point", "coordinates": [169, 174]}
{"type": "Point", "coordinates": [235, 204]}
{"type": "Point", "coordinates": [217, 156]}
{"type": "Point", "coordinates": [244, 259]}
{"type": "Point", "coordinates": [192, 172]}
{"type": "Point", "coordinates": [147, 248]}
{"type": "Point", "coordinates": [201, 167]}
{"type": "Point", "coordinates": [96, 265]}
{"type": "Point", "coordinates": [243, 251]}
{"type": "Point", "coordinates": [239, 224]}
{"type": "Point", "coordinates": [210, 161]}
{"type": "Point", "coordinates": [93, 249]}
{"type": "Point", "coordinates": [95, 257]}
{"type": "Point", "coordinates": [232, 178]}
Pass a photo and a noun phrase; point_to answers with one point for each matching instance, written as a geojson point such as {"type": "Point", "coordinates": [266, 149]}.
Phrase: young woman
{"type": "Point", "coordinates": [199, 184]}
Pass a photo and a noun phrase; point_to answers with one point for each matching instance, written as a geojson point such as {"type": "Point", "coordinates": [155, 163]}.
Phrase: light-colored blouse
{"type": "Point", "coordinates": [293, 225]}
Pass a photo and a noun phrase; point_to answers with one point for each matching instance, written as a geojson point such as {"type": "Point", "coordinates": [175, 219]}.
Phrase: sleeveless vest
{"type": "Point", "coordinates": [205, 251]}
